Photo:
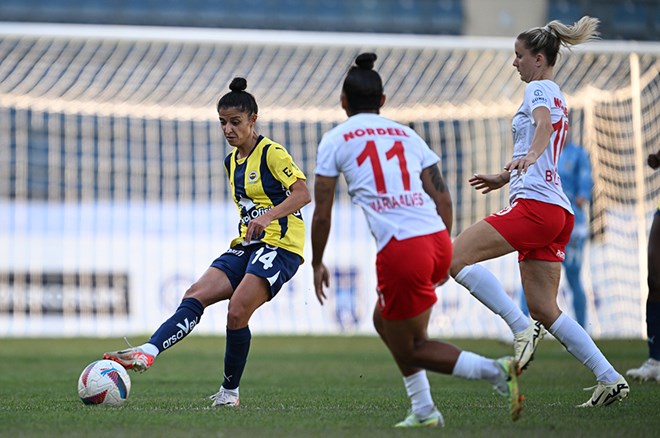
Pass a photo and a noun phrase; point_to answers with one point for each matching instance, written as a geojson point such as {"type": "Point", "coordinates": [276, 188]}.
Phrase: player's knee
{"type": "Point", "coordinates": [237, 317]}
{"type": "Point", "coordinates": [456, 266]}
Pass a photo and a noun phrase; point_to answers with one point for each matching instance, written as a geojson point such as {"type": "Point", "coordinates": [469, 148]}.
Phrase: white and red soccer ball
{"type": "Point", "coordinates": [104, 382]}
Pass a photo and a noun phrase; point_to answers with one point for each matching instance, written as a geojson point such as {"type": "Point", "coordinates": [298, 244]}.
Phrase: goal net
{"type": "Point", "coordinates": [113, 196]}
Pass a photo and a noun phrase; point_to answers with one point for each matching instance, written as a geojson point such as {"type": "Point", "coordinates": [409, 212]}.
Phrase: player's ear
{"type": "Point", "coordinates": [382, 100]}
{"type": "Point", "coordinates": [344, 102]}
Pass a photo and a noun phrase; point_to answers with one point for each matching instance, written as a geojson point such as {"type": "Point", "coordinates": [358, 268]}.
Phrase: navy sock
{"type": "Point", "coordinates": [653, 328]}
{"type": "Point", "coordinates": [179, 325]}
{"type": "Point", "coordinates": [236, 353]}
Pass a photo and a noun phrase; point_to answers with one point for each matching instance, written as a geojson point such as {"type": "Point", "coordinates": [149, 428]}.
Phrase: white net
{"type": "Point", "coordinates": [113, 197]}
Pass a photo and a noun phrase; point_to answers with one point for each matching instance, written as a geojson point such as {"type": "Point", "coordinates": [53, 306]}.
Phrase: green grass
{"type": "Point", "coordinates": [307, 387]}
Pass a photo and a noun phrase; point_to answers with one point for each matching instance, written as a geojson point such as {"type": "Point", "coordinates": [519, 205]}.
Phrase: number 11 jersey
{"type": "Point", "coordinates": [382, 161]}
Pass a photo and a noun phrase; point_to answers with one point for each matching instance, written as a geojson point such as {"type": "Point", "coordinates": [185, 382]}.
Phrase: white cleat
{"type": "Point", "coordinates": [525, 343]}
{"type": "Point", "coordinates": [650, 370]}
{"type": "Point", "coordinates": [225, 397]}
{"type": "Point", "coordinates": [607, 393]}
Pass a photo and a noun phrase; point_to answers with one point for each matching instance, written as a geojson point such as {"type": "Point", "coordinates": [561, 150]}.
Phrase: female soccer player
{"type": "Point", "coordinates": [269, 190]}
{"type": "Point", "coordinates": [539, 219]}
{"type": "Point", "coordinates": [650, 369]}
{"type": "Point", "coordinates": [394, 176]}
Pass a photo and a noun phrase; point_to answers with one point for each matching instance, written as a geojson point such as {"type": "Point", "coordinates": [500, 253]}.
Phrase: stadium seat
{"type": "Point", "coordinates": [566, 11]}
{"type": "Point", "coordinates": [631, 20]}
{"type": "Point", "coordinates": [446, 17]}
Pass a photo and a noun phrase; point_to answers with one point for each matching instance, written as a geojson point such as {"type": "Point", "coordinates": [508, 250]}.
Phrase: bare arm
{"type": "Point", "coordinates": [324, 196]}
{"type": "Point", "coordinates": [540, 142]}
{"type": "Point", "coordinates": [436, 188]}
{"type": "Point", "coordinates": [488, 183]}
{"type": "Point", "coordinates": [297, 199]}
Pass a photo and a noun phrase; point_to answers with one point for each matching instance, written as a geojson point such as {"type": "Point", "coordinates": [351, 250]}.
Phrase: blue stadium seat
{"type": "Point", "coordinates": [446, 17]}
{"type": "Point", "coordinates": [631, 20]}
{"type": "Point", "coordinates": [566, 11]}
{"type": "Point", "coordinates": [407, 16]}
{"type": "Point", "coordinates": [332, 15]}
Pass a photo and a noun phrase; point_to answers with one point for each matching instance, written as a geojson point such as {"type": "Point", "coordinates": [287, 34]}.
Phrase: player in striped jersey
{"type": "Point", "coordinates": [269, 190]}
{"type": "Point", "coordinates": [538, 222]}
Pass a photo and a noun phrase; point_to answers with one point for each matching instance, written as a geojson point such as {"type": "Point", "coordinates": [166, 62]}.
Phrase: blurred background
{"type": "Point", "coordinates": [113, 196]}
{"type": "Point", "coordinates": [620, 19]}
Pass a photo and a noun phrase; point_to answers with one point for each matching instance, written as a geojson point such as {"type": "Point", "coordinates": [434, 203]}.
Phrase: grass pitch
{"type": "Point", "coordinates": [307, 387]}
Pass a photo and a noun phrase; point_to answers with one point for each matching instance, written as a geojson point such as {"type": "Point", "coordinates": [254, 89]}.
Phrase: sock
{"type": "Point", "coordinates": [580, 345]}
{"type": "Point", "coordinates": [487, 288]}
{"type": "Point", "coordinates": [179, 325]}
{"type": "Point", "coordinates": [419, 390]}
{"type": "Point", "coordinates": [149, 349]}
{"type": "Point", "coordinates": [653, 328]}
{"type": "Point", "coordinates": [472, 366]}
{"type": "Point", "coordinates": [236, 353]}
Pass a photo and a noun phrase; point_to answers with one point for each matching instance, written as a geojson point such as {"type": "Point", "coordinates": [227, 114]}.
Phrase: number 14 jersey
{"type": "Point", "coordinates": [382, 161]}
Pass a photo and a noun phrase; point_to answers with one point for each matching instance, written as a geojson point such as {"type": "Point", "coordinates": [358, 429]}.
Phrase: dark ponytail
{"type": "Point", "coordinates": [363, 86]}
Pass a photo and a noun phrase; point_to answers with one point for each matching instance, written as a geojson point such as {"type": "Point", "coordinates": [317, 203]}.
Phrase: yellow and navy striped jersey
{"type": "Point", "coordinates": [261, 181]}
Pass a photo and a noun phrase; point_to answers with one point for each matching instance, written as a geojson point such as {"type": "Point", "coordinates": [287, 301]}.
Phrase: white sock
{"type": "Point", "coordinates": [487, 288]}
{"type": "Point", "coordinates": [149, 349]}
{"type": "Point", "coordinates": [580, 345]}
{"type": "Point", "coordinates": [472, 366]}
{"type": "Point", "coordinates": [230, 391]}
{"type": "Point", "coordinates": [419, 390]}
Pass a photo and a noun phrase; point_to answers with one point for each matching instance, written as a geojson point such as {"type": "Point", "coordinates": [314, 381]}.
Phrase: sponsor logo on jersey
{"type": "Point", "coordinates": [395, 132]}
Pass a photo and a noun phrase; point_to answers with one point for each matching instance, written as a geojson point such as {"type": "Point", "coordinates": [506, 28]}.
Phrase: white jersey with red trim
{"type": "Point", "coordinates": [382, 161]}
{"type": "Point", "coordinates": [541, 181]}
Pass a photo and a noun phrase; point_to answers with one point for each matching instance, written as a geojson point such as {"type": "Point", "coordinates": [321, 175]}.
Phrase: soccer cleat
{"type": "Point", "coordinates": [507, 385]}
{"type": "Point", "coordinates": [525, 343]}
{"type": "Point", "coordinates": [607, 393]}
{"type": "Point", "coordinates": [225, 397]}
{"type": "Point", "coordinates": [132, 358]}
{"type": "Point", "coordinates": [650, 370]}
{"type": "Point", "coordinates": [432, 420]}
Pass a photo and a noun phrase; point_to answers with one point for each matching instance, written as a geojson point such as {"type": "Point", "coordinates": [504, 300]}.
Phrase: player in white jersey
{"type": "Point", "coordinates": [538, 222]}
{"type": "Point", "coordinates": [394, 177]}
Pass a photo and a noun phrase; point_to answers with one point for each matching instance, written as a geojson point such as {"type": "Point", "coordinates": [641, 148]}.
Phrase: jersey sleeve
{"type": "Point", "coordinates": [282, 166]}
{"type": "Point", "coordinates": [536, 96]}
{"type": "Point", "coordinates": [429, 157]}
{"type": "Point", "coordinates": [326, 161]}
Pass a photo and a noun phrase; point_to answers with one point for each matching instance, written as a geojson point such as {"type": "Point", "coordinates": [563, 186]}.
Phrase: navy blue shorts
{"type": "Point", "coordinates": [275, 264]}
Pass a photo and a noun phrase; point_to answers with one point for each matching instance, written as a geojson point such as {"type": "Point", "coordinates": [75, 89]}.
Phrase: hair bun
{"type": "Point", "coordinates": [238, 84]}
{"type": "Point", "coordinates": [366, 60]}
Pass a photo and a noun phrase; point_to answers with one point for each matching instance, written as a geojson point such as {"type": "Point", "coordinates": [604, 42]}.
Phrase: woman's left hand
{"type": "Point", "coordinates": [522, 164]}
{"type": "Point", "coordinates": [255, 227]}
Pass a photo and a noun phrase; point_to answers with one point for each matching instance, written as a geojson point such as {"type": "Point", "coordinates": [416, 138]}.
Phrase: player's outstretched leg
{"type": "Point", "coordinates": [177, 327]}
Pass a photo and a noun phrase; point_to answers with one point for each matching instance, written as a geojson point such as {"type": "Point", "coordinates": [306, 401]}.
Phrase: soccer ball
{"type": "Point", "coordinates": [104, 382]}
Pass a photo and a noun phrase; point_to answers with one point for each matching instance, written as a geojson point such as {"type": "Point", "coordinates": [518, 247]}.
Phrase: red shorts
{"type": "Point", "coordinates": [408, 271]}
{"type": "Point", "coordinates": [536, 229]}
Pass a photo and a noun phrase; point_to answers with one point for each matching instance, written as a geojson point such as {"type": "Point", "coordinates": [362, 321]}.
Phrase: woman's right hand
{"type": "Point", "coordinates": [320, 279]}
{"type": "Point", "coordinates": [490, 182]}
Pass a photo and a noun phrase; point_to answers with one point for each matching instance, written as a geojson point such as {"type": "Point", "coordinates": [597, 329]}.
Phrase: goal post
{"type": "Point", "coordinates": [113, 196]}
